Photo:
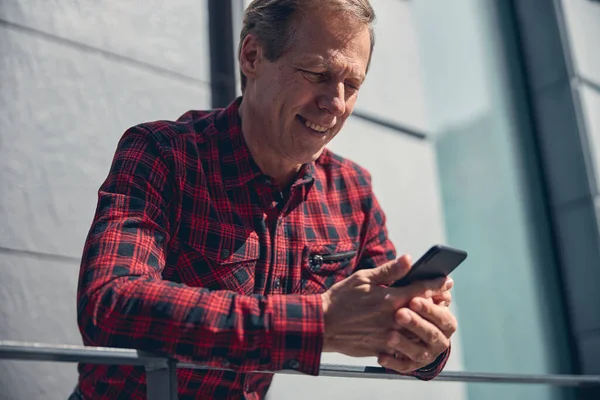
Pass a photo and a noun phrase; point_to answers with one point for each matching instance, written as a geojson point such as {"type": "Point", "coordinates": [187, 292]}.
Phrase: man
{"type": "Point", "coordinates": [232, 238]}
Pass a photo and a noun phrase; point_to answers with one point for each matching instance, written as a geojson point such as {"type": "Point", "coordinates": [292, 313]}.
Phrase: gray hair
{"type": "Point", "coordinates": [273, 22]}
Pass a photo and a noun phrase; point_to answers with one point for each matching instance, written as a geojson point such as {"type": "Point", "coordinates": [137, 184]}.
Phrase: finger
{"type": "Point", "coordinates": [429, 334]}
{"type": "Point", "coordinates": [391, 271]}
{"type": "Point", "coordinates": [409, 335]}
{"type": "Point", "coordinates": [401, 365]}
{"type": "Point", "coordinates": [426, 288]}
{"type": "Point", "coordinates": [439, 316]}
{"type": "Point", "coordinates": [399, 344]}
{"type": "Point", "coordinates": [443, 299]}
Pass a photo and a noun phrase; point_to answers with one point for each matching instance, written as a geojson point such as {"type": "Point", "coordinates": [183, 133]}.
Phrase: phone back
{"type": "Point", "coordinates": [439, 261]}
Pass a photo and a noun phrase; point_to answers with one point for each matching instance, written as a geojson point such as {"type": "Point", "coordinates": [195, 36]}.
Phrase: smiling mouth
{"type": "Point", "coordinates": [315, 127]}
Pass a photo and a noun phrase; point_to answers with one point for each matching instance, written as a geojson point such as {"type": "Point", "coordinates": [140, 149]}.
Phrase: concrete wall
{"type": "Point", "coordinates": [75, 74]}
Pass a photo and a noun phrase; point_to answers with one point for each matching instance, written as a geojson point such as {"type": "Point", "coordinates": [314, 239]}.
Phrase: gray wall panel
{"type": "Point", "coordinates": [566, 168]}
{"type": "Point", "coordinates": [590, 349]}
{"type": "Point", "coordinates": [168, 34]}
{"type": "Point", "coordinates": [543, 68]}
{"type": "Point", "coordinates": [38, 305]}
{"type": "Point", "coordinates": [62, 113]}
{"type": "Point", "coordinates": [394, 89]}
{"type": "Point", "coordinates": [578, 238]}
{"type": "Point", "coordinates": [583, 27]}
{"type": "Point", "coordinates": [62, 110]}
{"type": "Point", "coordinates": [590, 99]}
{"type": "Point", "coordinates": [32, 380]}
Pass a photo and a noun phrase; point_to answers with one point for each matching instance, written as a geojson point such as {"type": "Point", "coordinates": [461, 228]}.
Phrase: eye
{"type": "Point", "coordinates": [315, 76]}
{"type": "Point", "coordinates": [351, 88]}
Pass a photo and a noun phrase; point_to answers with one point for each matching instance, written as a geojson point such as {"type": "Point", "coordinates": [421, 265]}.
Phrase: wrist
{"type": "Point", "coordinates": [326, 303]}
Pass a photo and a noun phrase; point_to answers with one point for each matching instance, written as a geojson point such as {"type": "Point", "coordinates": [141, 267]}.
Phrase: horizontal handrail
{"type": "Point", "coordinates": [71, 353]}
{"type": "Point", "coordinates": [104, 355]}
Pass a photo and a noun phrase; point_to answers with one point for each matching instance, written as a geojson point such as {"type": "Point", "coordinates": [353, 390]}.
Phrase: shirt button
{"type": "Point", "coordinates": [247, 388]}
{"type": "Point", "coordinates": [293, 364]}
{"type": "Point", "coordinates": [225, 364]}
{"type": "Point", "coordinates": [277, 283]}
{"type": "Point", "coordinates": [225, 253]}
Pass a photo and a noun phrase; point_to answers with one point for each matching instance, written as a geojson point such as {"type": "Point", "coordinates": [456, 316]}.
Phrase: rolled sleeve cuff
{"type": "Point", "coordinates": [432, 370]}
{"type": "Point", "coordinates": [297, 333]}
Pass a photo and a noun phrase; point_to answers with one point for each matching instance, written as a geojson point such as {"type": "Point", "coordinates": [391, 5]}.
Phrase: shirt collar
{"type": "Point", "coordinates": [238, 167]}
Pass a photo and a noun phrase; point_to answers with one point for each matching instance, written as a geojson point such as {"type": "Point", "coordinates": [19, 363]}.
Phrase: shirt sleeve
{"type": "Point", "coordinates": [123, 300]}
{"type": "Point", "coordinates": [378, 250]}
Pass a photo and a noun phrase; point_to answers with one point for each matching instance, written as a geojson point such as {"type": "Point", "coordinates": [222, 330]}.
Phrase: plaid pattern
{"type": "Point", "coordinates": [194, 253]}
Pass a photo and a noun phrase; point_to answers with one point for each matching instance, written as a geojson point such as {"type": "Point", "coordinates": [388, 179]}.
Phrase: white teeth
{"type": "Point", "coordinates": [315, 127]}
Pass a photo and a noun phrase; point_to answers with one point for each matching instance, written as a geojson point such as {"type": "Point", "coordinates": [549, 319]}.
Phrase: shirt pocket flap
{"type": "Point", "coordinates": [221, 258]}
{"type": "Point", "coordinates": [326, 264]}
{"type": "Point", "coordinates": [226, 244]}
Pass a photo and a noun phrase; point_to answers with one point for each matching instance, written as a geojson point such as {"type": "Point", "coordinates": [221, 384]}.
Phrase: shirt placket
{"type": "Point", "coordinates": [284, 276]}
{"type": "Point", "coordinates": [276, 206]}
{"type": "Point", "coordinates": [275, 224]}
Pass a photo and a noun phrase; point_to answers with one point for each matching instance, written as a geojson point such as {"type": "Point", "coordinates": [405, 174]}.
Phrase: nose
{"type": "Point", "coordinates": [334, 101]}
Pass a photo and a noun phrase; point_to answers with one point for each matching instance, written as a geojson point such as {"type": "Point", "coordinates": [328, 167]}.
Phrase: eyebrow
{"type": "Point", "coordinates": [312, 61]}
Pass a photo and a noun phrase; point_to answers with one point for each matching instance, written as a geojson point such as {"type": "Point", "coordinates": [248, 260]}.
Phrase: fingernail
{"type": "Point", "coordinates": [449, 283]}
{"type": "Point", "coordinates": [404, 317]}
{"type": "Point", "coordinates": [417, 305]}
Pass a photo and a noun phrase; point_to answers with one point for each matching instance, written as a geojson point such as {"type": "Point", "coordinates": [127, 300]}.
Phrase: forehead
{"type": "Point", "coordinates": [336, 40]}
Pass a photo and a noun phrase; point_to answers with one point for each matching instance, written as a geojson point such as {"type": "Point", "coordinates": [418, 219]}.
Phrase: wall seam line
{"type": "Point", "coordinates": [39, 255]}
{"type": "Point", "coordinates": [104, 53]}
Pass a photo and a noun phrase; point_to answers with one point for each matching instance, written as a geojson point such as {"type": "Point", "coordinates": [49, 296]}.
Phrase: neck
{"type": "Point", "coordinates": [270, 163]}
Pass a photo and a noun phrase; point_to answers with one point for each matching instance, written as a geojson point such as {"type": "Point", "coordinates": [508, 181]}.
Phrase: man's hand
{"type": "Point", "coordinates": [422, 332]}
{"type": "Point", "coordinates": [360, 310]}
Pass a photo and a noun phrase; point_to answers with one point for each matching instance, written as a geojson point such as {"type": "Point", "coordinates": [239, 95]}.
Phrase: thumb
{"type": "Point", "coordinates": [392, 271]}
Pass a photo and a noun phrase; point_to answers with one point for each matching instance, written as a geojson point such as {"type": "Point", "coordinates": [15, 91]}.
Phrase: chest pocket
{"type": "Point", "coordinates": [223, 257]}
{"type": "Point", "coordinates": [325, 265]}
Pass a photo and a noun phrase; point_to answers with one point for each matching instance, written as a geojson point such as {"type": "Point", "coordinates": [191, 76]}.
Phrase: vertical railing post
{"type": "Point", "coordinates": [222, 60]}
{"type": "Point", "coordinates": [161, 380]}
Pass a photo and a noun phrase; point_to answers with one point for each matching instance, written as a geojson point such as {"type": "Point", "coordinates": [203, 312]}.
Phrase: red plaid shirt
{"type": "Point", "coordinates": [195, 253]}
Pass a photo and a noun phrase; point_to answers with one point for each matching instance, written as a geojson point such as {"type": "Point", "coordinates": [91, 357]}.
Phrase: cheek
{"type": "Point", "coordinates": [294, 92]}
{"type": "Point", "coordinates": [350, 103]}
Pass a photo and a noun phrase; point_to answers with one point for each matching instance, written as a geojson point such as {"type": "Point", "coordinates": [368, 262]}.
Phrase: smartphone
{"type": "Point", "coordinates": [439, 261]}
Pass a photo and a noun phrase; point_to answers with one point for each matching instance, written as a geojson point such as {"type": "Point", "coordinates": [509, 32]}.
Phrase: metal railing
{"type": "Point", "coordinates": [162, 379]}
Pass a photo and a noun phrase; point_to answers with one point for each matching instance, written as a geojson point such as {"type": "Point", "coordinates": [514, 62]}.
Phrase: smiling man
{"type": "Point", "coordinates": [234, 238]}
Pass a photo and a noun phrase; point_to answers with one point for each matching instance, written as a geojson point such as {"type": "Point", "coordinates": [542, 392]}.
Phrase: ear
{"type": "Point", "coordinates": [250, 56]}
